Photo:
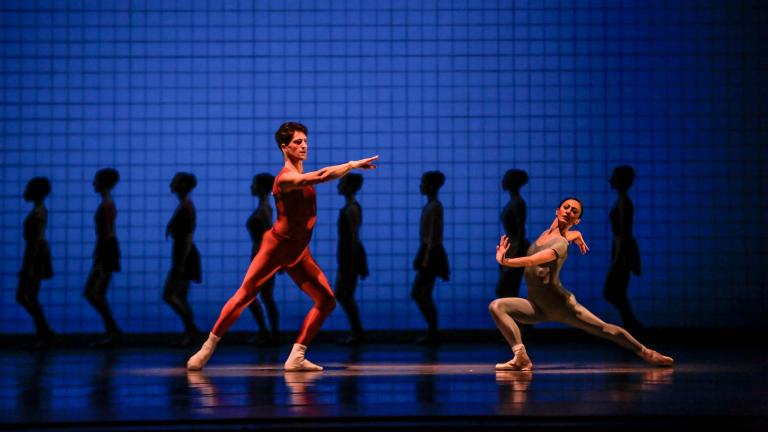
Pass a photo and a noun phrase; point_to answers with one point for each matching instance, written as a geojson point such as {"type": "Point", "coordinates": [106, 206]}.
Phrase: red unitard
{"type": "Point", "coordinates": [285, 246]}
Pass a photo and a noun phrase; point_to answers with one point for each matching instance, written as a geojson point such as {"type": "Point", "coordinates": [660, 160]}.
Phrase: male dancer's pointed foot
{"type": "Point", "coordinates": [200, 358]}
{"type": "Point", "coordinates": [655, 358]}
{"type": "Point", "coordinates": [521, 361]}
{"type": "Point", "coordinates": [297, 361]}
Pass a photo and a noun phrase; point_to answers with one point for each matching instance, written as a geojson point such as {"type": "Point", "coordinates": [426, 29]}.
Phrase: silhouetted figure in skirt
{"type": "Point", "coordinates": [185, 258]}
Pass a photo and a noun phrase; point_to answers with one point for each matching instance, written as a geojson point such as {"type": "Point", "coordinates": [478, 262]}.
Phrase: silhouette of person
{"type": "Point", "coordinates": [625, 255]}
{"type": "Point", "coordinates": [547, 299]}
{"type": "Point", "coordinates": [350, 255]}
{"type": "Point", "coordinates": [431, 260]}
{"type": "Point", "coordinates": [185, 265]}
{"type": "Point", "coordinates": [36, 265]}
{"type": "Point", "coordinates": [513, 218]}
{"type": "Point", "coordinates": [106, 256]}
{"type": "Point", "coordinates": [286, 246]}
{"type": "Point", "coordinates": [258, 223]}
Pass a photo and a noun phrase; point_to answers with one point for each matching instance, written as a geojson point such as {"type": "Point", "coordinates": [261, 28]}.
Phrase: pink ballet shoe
{"type": "Point", "coordinates": [521, 361]}
{"type": "Point", "coordinates": [655, 358]}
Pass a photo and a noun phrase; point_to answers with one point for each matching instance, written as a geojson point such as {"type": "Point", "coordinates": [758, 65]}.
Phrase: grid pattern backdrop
{"type": "Point", "coordinates": [565, 90]}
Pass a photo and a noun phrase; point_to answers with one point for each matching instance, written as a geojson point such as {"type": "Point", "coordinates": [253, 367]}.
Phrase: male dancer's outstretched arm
{"type": "Point", "coordinates": [292, 180]}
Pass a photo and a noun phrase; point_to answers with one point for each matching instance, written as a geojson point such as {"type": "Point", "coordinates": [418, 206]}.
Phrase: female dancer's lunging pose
{"type": "Point", "coordinates": [286, 246]}
{"type": "Point", "coordinates": [547, 299]}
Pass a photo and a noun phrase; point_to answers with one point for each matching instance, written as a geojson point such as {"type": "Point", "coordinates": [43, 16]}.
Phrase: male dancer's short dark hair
{"type": "Point", "coordinates": [286, 130]}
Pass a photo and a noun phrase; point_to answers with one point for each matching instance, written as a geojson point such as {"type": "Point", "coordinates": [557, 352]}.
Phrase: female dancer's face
{"type": "Point", "coordinates": [569, 212]}
{"type": "Point", "coordinates": [296, 149]}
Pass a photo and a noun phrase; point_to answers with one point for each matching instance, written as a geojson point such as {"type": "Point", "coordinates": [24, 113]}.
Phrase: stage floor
{"type": "Point", "coordinates": [585, 386]}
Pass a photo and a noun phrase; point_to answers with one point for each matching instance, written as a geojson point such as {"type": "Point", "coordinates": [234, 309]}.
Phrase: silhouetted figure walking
{"type": "Point", "coordinates": [36, 265]}
{"type": "Point", "coordinates": [625, 254]}
{"type": "Point", "coordinates": [513, 218]}
{"type": "Point", "coordinates": [258, 223]}
{"type": "Point", "coordinates": [106, 256]}
{"type": "Point", "coordinates": [186, 258]}
{"type": "Point", "coordinates": [431, 261]}
{"type": "Point", "coordinates": [350, 255]}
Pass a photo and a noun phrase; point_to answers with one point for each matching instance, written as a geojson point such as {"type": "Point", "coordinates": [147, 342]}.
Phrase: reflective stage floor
{"type": "Point", "coordinates": [577, 386]}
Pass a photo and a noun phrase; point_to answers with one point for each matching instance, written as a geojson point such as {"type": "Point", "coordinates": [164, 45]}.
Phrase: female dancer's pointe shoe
{"type": "Point", "coordinates": [655, 358]}
{"type": "Point", "coordinates": [197, 361]}
{"type": "Point", "coordinates": [521, 361]}
{"type": "Point", "coordinates": [298, 363]}
{"type": "Point", "coordinates": [516, 364]}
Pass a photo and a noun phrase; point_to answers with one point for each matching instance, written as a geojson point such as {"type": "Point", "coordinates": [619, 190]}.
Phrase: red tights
{"type": "Point", "coordinates": [307, 275]}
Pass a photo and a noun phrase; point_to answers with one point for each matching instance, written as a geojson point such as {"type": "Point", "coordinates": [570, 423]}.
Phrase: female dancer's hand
{"type": "Point", "coordinates": [367, 163]}
{"type": "Point", "coordinates": [578, 240]}
{"type": "Point", "coordinates": [502, 248]}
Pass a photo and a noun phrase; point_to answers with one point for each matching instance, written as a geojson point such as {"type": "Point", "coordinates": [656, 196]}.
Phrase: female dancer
{"type": "Point", "coordinates": [37, 259]}
{"type": "Point", "coordinates": [350, 255]}
{"type": "Point", "coordinates": [625, 255]}
{"type": "Point", "coordinates": [258, 223]}
{"type": "Point", "coordinates": [286, 246]}
{"type": "Point", "coordinates": [547, 299]}
{"type": "Point", "coordinates": [106, 256]}
{"type": "Point", "coordinates": [431, 260]}
{"type": "Point", "coordinates": [186, 258]}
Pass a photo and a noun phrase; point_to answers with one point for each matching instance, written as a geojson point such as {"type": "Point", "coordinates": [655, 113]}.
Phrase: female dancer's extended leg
{"type": "Point", "coordinates": [580, 317]}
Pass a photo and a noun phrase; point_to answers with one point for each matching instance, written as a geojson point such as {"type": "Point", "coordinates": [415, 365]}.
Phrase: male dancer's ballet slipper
{"type": "Point", "coordinates": [200, 358]}
{"type": "Point", "coordinates": [298, 363]}
{"type": "Point", "coordinates": [521, 361]}
{"type": "Point", "coordinates": [655, 358]}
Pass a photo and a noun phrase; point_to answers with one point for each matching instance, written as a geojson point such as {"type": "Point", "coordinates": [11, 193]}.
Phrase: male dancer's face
{"type": "Point", "coordinates": [296, 149]}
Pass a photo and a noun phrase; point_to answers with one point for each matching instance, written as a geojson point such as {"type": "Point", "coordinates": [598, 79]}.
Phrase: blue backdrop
{"type": "Point", "coordinates": [565, 90]}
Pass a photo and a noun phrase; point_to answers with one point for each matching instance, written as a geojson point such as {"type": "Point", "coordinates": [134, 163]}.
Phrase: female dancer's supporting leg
{"type": "Point", "coordinates": [505, 311]}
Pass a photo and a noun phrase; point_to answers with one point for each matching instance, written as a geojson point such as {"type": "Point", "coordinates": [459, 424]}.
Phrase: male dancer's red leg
{"type": "Point", "coordinates": [310, 278]}
{"type": "Point", "coordinates": [263, 266]}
